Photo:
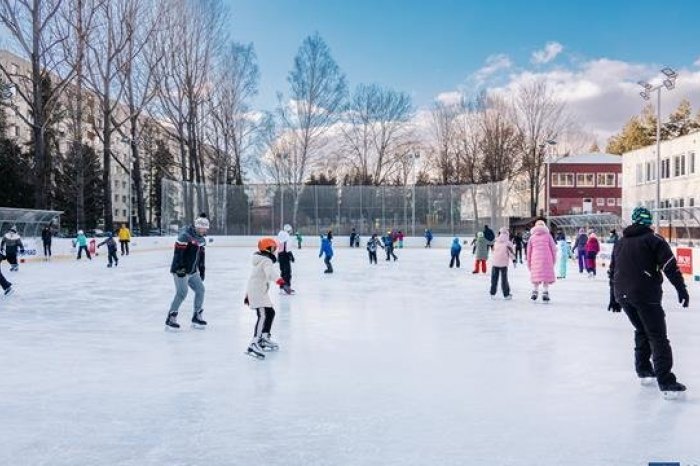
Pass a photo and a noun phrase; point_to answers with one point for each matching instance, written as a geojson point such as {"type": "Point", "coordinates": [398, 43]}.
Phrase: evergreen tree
{"type": "Point", "coordinates": [67, 186]}
{"type": "Point", "coordinates": [16, 189]}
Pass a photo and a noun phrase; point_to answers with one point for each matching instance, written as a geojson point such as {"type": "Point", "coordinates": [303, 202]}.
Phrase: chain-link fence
{"type": "Point", "coordinates": [263, 208]}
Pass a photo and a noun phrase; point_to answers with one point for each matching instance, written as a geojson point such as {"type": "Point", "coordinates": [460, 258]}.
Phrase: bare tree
{"type": "Point", "coordinates": [317, 94]}
{"type": "Point", "coordinates": [32, 26]}
{"type": "Point", "coordinates": [444, 132]}
{"type": "Point", "coordinates": [540, 117]}
{"type": "Point", "coordinates": [375, 124]}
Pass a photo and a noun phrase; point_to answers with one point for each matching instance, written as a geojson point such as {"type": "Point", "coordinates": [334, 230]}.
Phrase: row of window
{"type": "Point", "coordinates": [116, 198]}
{"type": "Point", "coordinates": [586, 180]}
{"type": "Point", "coordinates": [116, 184]}
{"type": "Point", "coordinates": [116, 212]}
{"type": "Point", "coordinates": [600, 201]}
{"type": "Point", "coordinates": [671, 167]}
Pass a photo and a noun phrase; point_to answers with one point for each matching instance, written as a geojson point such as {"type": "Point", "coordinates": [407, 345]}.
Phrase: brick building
{"type": "Point", "coordinates": [585, 183]}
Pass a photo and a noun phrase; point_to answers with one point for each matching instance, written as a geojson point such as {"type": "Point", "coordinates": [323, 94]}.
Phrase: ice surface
{"type": "Point", "coordinates": [406, 363]}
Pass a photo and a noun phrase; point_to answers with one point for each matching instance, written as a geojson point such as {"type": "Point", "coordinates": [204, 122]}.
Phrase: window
{"type": "Point", "coordinates": [679, 165]}
{"type": "Point", "coordinates": [123, 184]}
{"type": "Point", "coordinates": [691, 163]}
{"type": "Point", "coordinates": [586, 180]}
{"type": "Point", "coordinates": [619, 202]}
{"type": "Point", "coordinates": [116, 183]}
{"type": "Point", "coordinates": [611, 202]}
{"type": "Point", "coordinates": [665, 169]}
{"type": "Point", "coordinates": [600, 202]}
{"type": "Point", "coordinates": [17, 131]}
{"type": "Point", "coordinates": [124, 212]}
{"type": "Point", "coordinates": [640, 174]}
{"type": "Point", "coordinates": [650, 171]}
{"type": "Point", "coordinates": [116, 212]}
{"type": "Point", "coordinates": [116, 198]}
{"type": "Point", "coordinates": [124, 199]}
{"type": "Point", "coordinates": [606, 179]}
{"type": "Point", "coordinates": [562, 179]}
{"type": "Point", "coordinates": [691, 202]}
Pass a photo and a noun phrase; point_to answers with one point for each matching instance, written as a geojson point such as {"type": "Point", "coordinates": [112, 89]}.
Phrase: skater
{"type": "Point", "coordinates": [257, 297]}
{"type": "Point", "coordinates": [188, 269]}
{"type": "Point", "coordinates": [124, 239]}
{"type": "Point", "coordinates": [592, 250]}
{"type": "Point", "coordinates": [11, 244]}
{"type": "Point", "coordinates": [353, 236]}
{"type": "Point", "coordinates": [518, 243]}
{"type": "Point", "coordinates": [6, 286]}
{"type": "Point", "coordinates": [636, 267]}
{"type": "Point", "coordinates": [372, 244]}
{"type": "Point", "coordinates": [111, 250]}
{"type": "Point", "coordinates": [502, 255]}
{"type": "Point", "coordinates": [455, 250]}
{"type": "Point", "coordinates": [81, 242]}
{"type": "Point", "coordinates": [481, 252]}
{"type": "Point", "coordinates": [563, 253]}
{"type": "Point", "coordinates": [614, 237]}
{"type": "Point", "coordinates": [299, 239]}
{"type": "Point", "coordinates": [400, 238]}
{"type": "Point", "coordinates": [285, 258]}
{"type": "Point", "coordinates": [327, 249]}
{"type": "Point", "coordinates": [46, 238]}
{"type": "Point", "coordinates": [489, 235]}
{"type": "Point", "coordinates": [541, 254]}
{"type": "Point", "coordinates": [389, 246]}
{"type": "Point", "coordinates": [428, 237]}
{"type": "Point", "coordinates": [526, 239]}
{"type": "Point", "coordinates": [580, 248]}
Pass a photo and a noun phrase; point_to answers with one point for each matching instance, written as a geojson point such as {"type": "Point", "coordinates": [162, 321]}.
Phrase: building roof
{"type": "Point", "coordinates": [593, 158]}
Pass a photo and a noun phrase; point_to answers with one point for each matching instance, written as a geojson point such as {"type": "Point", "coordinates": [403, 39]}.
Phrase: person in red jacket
{"type": "Point", "coordinates": [592, 250]}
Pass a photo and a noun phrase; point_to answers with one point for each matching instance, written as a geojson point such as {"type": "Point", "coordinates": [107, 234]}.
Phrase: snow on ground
{"type": "Point", "coordinates": [406, 363]}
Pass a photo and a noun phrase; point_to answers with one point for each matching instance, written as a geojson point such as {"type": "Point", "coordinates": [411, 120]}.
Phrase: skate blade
{"type": "Point", "coordinates": [198, 326]}
{"type": "Point", "coordinates": [270, 350]}
{"type": "Point", "coordinates": [168, 328]}
{"type": "Point", "coordinates": [255, 355]}
{"type": "Point", "coordinates": [673, 396]}
{"type": "Point", "coordinates": [647, 381]}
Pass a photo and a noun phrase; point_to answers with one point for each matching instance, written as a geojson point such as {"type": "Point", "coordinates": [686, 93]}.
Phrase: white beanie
{"type": "Point", "coordinates": [202, 222]}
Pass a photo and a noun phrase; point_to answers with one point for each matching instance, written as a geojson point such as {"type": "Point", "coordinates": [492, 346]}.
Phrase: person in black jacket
{"type": "Point", "coordinates": [285, 258]}
{"type": "Point", "coordinates": [636, 267]}
{"type": "Point", "coordinates": [489, 235]}
{"type": "Point", "coordinates": [46, 237]}
{"type": "Point", "coordinates": [12, 246]}
{"type": "Point", "coordinates": [188, 270]}
{"type": "Point", "coordinates": [111, 250]}
{"type": "Point", "coordinates": [518, 242]}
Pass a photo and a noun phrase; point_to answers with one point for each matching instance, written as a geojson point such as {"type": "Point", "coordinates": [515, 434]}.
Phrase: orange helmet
{"type": "Point", "coordinates": [267, 244]}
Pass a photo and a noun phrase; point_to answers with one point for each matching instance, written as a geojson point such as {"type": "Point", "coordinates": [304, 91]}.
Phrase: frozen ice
{"type": "Point", "coordinates": [406, 363]}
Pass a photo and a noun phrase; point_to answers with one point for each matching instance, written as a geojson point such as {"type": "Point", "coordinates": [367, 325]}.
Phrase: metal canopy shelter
{"type": "Point", "coordinates": [570, 224]}
{"type": "Point", "coordinates": [28, 222]}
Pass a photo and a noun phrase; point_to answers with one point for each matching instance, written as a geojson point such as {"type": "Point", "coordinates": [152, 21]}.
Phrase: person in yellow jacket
{"type": "Point", "coordinates": [124, 239]}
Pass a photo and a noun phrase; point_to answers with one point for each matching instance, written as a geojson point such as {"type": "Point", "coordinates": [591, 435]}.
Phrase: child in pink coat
{"type": "Point", "coordinates": [592, 250]}
{"type": "Point", "coordinates": [541, 256]}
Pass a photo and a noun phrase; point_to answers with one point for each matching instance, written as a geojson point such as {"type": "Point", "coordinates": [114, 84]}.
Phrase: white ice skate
{"type": "Point", "coordinates": [508, 298]}
{"type": "Point", "coordinates": [9, 291]}
{"type": "Point", "coordinates": [267, 344]}
{"type": "Point", "coordinates": [254, 350]}
{"type": "Point", "coordinates": [674, 391]}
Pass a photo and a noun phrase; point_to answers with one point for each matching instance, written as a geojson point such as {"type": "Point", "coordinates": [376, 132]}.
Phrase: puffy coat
{"type": "Point", "coordinates": [482, 248]}
{"type": "Point", "coordinates": [564, 249]}
{"type": "Point", "coordinates": [124, 234]}
{"type": "Point", "coordinates": [111, 244]}
{"type": "Point", "coordinates": [502, 251]}
{"type": "Point", "coordinates": [581, 241]}
{"type": "Point", "coordinates": [456, 247]}
{"type": "Point", "coordinates": [326, 248]}
{"type": "Point", "coordinates": [373, 244]}
{"type": "Point", "coordinates": [388, 241]}
{"type": "Point", "coordinates": [259, 281]}
{"type": "Point", "coordinates": [592, 245]}
{"type": "Point", "coordinates": [541, 254]}
{"type": "Point", "coordinates": [81, 240]}
{"type": "Point", "coordinates": [11, 243]}
{"type": "Point", "coordinates": [189, 252]}
{"type": "Point", "coordinates": [489, 234]}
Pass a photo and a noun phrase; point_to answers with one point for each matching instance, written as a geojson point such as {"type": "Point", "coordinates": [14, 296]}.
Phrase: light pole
{"type": "Point", "coordinates": [282, 157]}
{"type": "Point", "coordinates": [415, 157]}
{"type": "Point", "coordinates": [131, 143]}
{"type": "Point", "coordinates": [668, 83]}
{"type": "Point", "coordinates": [547, 182]}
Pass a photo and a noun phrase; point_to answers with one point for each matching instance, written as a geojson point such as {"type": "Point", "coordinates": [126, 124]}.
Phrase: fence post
{"type": "Point", "coordinates": [452, 214]}
{"type": "Point", "coordinates": [316, 206]}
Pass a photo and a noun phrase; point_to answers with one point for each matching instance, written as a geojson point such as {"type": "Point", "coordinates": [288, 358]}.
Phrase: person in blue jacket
{"type": "Point", "coordinates": [454, 251]}
{"type": "Point", "coordinates": [388, 241]}
{"type": "Point", "coordinates": [428, 237]}
{"type": "Point", "coordinates": [327, 249]}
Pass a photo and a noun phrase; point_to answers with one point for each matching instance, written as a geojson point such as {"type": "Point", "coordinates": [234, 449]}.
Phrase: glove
{"type": "Point", "coordinates": [245, 301]}
{"type": "Point", "coordinates": [280, 282]}
{"type": "Point", "coordinates": [614, 306]}
{"type": "Point", "coordinates": [181, 272]}
{"type": "Point", "coordinates": [683, 297]}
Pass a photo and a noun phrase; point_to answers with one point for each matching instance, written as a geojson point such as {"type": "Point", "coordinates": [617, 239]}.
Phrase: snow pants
{"type": "Point", "coordinates": [285, 269]}
{"type": "Point", "coordinates": [125, 247]}
{"type": "Point", "coordinates": [112, 257]}
{"type": "Point", "coordinates": [480, 263]}
{"type": "Point", "coordinates": [455, 260]}
{"type": "Point", "coordinates": [390, 253]}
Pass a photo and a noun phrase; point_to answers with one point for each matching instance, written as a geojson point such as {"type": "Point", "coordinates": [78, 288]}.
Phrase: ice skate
{"type": "Point", "coordinates": [647, 377]}
{"type": "Point", "coordinates": [267, 344]}
{"type": "Point", "coordinates": [14, 268]}
{"type": "Point", "coordinates": [673, 391]}
{"type": "Point", "coordinates": [109, 266]}
{"type": "Point", "coordinates": [254, 350]}
{"type": "Point", "coordinates": [9, 291]}
{"type": "Point", "coordinates": [287, 290]}
{"type": "Point", "coordinates": [533, 295]}
{"type": "Point", "coordinates": [171, 322]}
{"type": "Point", "coordinates": [197, 321]}
{"type": "Point", "coordinates": [545, 296]}
{"type": "Point", "coordinates": [508, 297]}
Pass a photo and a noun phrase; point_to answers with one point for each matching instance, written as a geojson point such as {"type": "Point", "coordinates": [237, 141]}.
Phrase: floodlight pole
{"type": "Point", "coordinates": [658, 160]}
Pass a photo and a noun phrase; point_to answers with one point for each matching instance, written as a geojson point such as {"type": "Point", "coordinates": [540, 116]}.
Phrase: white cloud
{"type": "Point", "coordinates": [550, 51]}
{"type": "Point", "coordinates": [449, 98]}
{"type": "Point", "coordinates": [494, 64]}
{"type": "Point", "coordinates": [697, 62]}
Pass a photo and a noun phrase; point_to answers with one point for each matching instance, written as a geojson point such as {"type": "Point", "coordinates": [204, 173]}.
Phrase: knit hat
{"type": "Point", "coordinates": [202, 222]}
{"type": "Point", "coordinates": [581, 231]}
{"type": "Point", "coordinates": [641, 216]}
{"type": "Point", "coordinates": [540, 223]}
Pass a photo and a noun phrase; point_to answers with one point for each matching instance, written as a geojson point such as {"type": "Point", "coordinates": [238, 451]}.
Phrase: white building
{"type": "Point", "coordinates": [680, 175]}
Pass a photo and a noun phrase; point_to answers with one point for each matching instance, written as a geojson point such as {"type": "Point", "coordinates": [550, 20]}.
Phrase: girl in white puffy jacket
{"type": "Point", "coordinates": [258, 298]}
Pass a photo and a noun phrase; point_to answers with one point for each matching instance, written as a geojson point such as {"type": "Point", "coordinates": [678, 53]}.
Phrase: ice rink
{"type": "Point", "coordinates": [406, 363]}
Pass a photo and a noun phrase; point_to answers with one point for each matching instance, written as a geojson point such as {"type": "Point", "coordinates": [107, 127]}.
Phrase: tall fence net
{"type": "Point", "coordinates": [258, 209]}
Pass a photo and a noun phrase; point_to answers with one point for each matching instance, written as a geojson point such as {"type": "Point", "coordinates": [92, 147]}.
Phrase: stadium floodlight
{"type": "Point", "coordinates": [669, 72]}
{"type": "Point", "coordinates": [645, 95]}
{"type": "Point", "coordinates": [645, 85]}
{"type": "Point", "coordinates": [669, 84]}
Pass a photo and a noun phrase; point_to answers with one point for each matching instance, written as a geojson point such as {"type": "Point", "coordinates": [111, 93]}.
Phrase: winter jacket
{"type": "Point", "coordinates": [81, 240]}
{"type": "Point", "coordinates": [526, 237]}
{"type": "Point", "coordinates": [581, 241]}
{"type": "Point", "coordinates": [637, 263]}
{"type": "Point", "coordinates": [11, 243]}
{"type": "Point", "coordinates": [541, 254]}
{"type": "Point", "coordinates": [284, 256]}
{"type": "Point", "coordinates": [124, 234]}
{"type": "Point", "coordinates": [564, 249]}
{"type": "Point", "coordinates": [592, 245]}
{"type": "Point", "coordinates": [502, 251]}
{"type": "Point", "coordinates": [46, 236]}
{"type": "Point", "coordinates": [489, 234]}
{"type": "Point", "coordinates": [299, 237]}
{"type": "Point", "coordinates": [400, 236]}
{"type": "Point", "coordinates": [111, 244]}
{"type": "Point", "coordinates": [388, 241]}
{"type": "Point", "coordinates": [428, 235]}
{"type": "Point", "coordinates": [326, 248]}
{"type": "Point", "coordinates": [372, 244]}
{"type": "Point", "coordinates": [259, 281]}
{"type": "Point", "coordinates": [188, 255]}
{"type": "Point", "coordinates": [518, 241]}
{"type": "Point", "coordinates": [482, 248]}
{"type": "Point", "coordinates": [456, 247]}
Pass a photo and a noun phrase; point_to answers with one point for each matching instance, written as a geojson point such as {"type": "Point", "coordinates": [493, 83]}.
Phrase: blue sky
{"type": "Point", "coordinates": [428, 48]}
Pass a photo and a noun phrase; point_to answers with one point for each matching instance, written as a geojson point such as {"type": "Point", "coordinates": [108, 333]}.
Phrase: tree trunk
{"type": "Point", "coordinates": [38, 130]}
{"type": "Point", "coordinates": [107, 163]}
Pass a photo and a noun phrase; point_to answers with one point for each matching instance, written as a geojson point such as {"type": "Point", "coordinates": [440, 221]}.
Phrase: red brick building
{"type": "Point", "coordinates": [585, 183]}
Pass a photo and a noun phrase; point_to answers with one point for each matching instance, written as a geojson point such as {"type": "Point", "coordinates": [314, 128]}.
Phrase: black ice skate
{"type": "Point", "coordinates": [267, 344]}
{"type": "Point", "coordinates": [9, 291]}
{"type": "Point", "coordinates": [254, 350]}
{"type": "Point", "coordinates": [545, 296]}
{"type": "Point", "coordinates": [508, 297]}
{"type": "Point", "coordinates": [647, 377]}
{"type": "Point", "coordinates": [286, 290]}
{"type": "Point", "coordinates": [672, 391]}
{"type": "Point", "coordinates": [197, 321]}
{"type": "Point", "coordinates": [533, 295]}
{"type": "Point", "coordinates": [171, 322]}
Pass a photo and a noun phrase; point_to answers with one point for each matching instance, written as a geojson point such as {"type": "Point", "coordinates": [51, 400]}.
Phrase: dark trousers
{"type": "Point", "coordinates": [454, 260]}
{"type": "Point", "coordinates": [503, 273]}
{"type": "Point", "coordinates": [591, 261]}
{"type": "Point", "coordinates": [329, 266]}
{"type": "Point", "coordinates": [581, 260]}
{"type": "Point", "coordinates": [3, 282]}
{"type": "Point", "coordinates": [427, 242]}
{"type": "Point", "coordinates": [372, 257]}
{"type": "Point", "coordinates": [125, 247]}
{"type": "Point", "coordinates": [390, 253]}
{"type": "Point", "coordinates": [285, 270]}
{"type": "Point", "coordinates": [650, 340]}
{"type": "Point", "coordinates": [112, 257]}
{"type": "Point", "coordinates": [47, 249]}
{"type": "Point", "coordinates": [11, 258]}
{"type": "Point", "coordinates": [80, 252]}
{"type": "Point", "coordinates": [518, 255]}
{"type": "Point", "coordinates": [266, 315]}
